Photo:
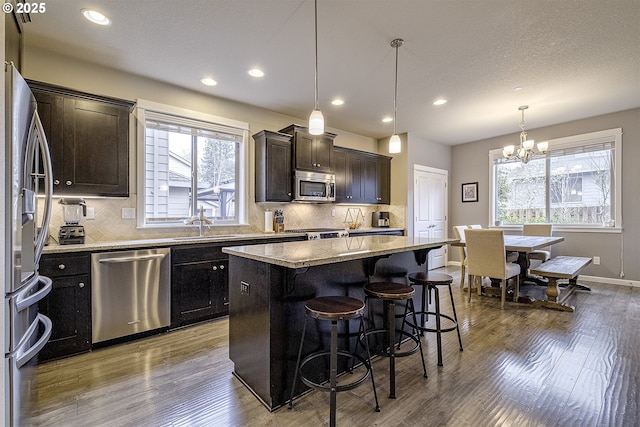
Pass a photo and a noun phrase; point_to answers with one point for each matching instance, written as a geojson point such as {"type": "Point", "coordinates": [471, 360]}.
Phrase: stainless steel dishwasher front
{"type": "Point", "coordinates": [130, 292]}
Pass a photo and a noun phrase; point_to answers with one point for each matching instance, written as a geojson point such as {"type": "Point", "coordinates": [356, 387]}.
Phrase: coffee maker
{"type": "Point", "coordinates": [380, 219]}
{"type": "Point", "coordinates": [72, 211]}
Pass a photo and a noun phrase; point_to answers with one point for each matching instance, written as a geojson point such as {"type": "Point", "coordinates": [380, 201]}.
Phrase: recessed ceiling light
{"type": "Point", "coordinates": [387, 119]}
{"type": "Point", "coordinates": [95, 17]}
{"type": "Point", "coordinates": [517, 88]}
{"type": "Point", "coordinates": [337, 101]}
{"type": "Point", "coordinates": [209, 81]}
{"type": "Point", "coordinates": [440, 101]}
{"type": "Point", "coordinates": [256, 72]}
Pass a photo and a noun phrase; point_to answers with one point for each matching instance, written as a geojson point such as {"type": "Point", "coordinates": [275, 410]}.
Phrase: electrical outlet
{"type": "Point", "coordinates": [333, 212]}
{"type": "Point", "coordinates": [596, 260]}
{"type": "Point", "coordinates": [244, 288]}
{"type": "Point", "coordinates": [91, 213]}
{"type": "Point", "coordinates": [128, 213]}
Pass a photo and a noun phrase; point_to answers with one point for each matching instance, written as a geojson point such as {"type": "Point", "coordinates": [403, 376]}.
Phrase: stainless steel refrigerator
{"type": "Point", "coordinates": [28, 183]}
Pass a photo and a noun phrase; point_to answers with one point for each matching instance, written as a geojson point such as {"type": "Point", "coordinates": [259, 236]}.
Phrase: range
{"type": "Point", "coordinates": [321, 233]}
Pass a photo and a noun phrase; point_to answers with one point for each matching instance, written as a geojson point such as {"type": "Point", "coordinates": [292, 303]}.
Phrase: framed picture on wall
{"type": "Point", "coordinates": [470, 192]}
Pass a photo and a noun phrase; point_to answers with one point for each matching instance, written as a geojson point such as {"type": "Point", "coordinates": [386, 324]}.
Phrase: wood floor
{"type": "Point", "coordinates": [520, 367]}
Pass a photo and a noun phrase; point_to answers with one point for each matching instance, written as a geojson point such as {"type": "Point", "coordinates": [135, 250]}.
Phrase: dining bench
{"type": "Point", "coordinates": [558, 268]}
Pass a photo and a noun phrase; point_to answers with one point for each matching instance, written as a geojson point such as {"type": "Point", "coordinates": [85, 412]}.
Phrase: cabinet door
{"type": "Point", "coordinates": [50, 107]}
{"type": "Point", "coordinates": [356, 171]}
{"type": "Point", "coordinates": [96, 148]}
{"type": "Point", "coordinates": [220, 282]}
{"type": "Point", "coordinates": [384, 180]}
{"type": "Point", "coordinates": [68, 305]}
{"type": "Point", "coordinates": [278, 171]}
{"type": "Point", "coordinates": [305, 158]}
{"type": "Point", "coordinates": [192, 297]}
{"type": "Point", "coordinates": [377, 172]}
{"type": "Point", "coordinates": [322, 150]}
{"type": "Point", "coordinates": [341, 170]}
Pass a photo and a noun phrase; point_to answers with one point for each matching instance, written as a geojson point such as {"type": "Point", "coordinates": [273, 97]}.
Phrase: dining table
{"type": "Point", "coordinates": [524, 245]}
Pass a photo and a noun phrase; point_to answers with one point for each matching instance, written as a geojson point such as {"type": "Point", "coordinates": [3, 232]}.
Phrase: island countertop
{"type": "Point", "coordinates": [327, 251]}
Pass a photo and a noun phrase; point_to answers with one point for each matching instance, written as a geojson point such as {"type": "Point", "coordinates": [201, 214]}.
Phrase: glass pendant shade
{"type": "Point", "coordinates": [543, 146]}
{"type": "Point", "coordinates": [508, 150]}
{"type": "Point", "coordinates": [528, 144]}
{"type": "Point", "coordinates": [316, 122]}
{"type": "Point", "coordinates": [395, 145]}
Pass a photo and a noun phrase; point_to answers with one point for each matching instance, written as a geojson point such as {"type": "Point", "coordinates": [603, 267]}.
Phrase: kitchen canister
{"type": "Point", "coordinates": [268, 221]}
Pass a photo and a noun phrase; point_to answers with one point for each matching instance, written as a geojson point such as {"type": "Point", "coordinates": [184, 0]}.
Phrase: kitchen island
{"type": "Point", "coordinates": [268, 285]}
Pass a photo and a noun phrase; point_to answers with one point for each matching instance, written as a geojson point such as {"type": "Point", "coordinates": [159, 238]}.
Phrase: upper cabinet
{"type": "Point", "coordinates": [88, 138]}
{"type": "Point", "coordinates": [311, 152]}
{"type": "Point", "coordinates": [362, 177]}
{"type": "Point", "coordinates": [274, 178]}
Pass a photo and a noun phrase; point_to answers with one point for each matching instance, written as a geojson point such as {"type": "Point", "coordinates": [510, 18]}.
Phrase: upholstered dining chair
{"type": "Point", "coordinates": [475, 226]}
{"type": "Point", "coordinates": [544, 254]}
{"type": "Point", "coordinates": [458, 231]}
{"type": "Point", "coordinates": [486, 256]}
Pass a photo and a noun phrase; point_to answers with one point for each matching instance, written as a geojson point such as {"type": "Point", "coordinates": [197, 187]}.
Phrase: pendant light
{"type": "Point", "coordinates": [525, 151]}
{"type": "Point", "coordinates": [395, 145]}
{"type": "Point", "coordinates": [316, 119]}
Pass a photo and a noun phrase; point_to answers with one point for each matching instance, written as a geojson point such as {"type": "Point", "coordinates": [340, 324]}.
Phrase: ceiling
{"type": "Point", "coordinates": [572, 59]}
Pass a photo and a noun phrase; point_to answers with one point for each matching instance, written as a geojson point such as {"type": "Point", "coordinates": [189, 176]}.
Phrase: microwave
{"type": "Point", "coordinates": [314, 187]}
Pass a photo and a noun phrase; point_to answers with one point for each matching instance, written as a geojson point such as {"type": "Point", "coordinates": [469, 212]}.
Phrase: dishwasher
{"type": "Point", "coordinates": [130, 292]}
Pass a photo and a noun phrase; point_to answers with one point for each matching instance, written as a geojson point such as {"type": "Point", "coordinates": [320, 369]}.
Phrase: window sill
{"type": "Point", "coordinates": [567, 229]}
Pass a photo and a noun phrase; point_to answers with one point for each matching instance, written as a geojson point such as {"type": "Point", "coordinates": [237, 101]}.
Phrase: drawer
{"type": "Point", "coordinates": [64, 265]}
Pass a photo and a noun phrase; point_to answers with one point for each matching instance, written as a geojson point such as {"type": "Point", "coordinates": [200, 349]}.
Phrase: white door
{"type": "Point", "coordinates": [430, 209]}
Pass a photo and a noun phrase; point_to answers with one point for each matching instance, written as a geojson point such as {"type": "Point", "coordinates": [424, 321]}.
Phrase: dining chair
{"type": "Point", "coordinates": [475, 226]}
{"type": "Point", "coordinates": [546, 230]}
{"type": "Point", "coordinates": [486, 256]}
{"type": "Point", "coordinates": [458, 231]}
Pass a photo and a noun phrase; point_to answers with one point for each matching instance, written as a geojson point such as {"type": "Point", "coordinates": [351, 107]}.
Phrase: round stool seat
{"type": "Point", "coordinates": [334, 308]}
{"type": "Point", "coordinates": [389, 290]}
{"type": "Point", "coordinates": [430, 278]}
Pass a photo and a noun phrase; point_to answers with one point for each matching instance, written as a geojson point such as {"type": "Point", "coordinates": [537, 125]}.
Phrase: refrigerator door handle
{"type": "Point", "coordinates": [22, 302]}
{"type": "Point", "coordinates": [23, 357]}
{"type": "Point", "coordinates": [43, 146]}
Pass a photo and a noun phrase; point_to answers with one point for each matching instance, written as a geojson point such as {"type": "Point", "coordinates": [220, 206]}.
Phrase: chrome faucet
{"type": "Point", "coordinates": [201, 220]}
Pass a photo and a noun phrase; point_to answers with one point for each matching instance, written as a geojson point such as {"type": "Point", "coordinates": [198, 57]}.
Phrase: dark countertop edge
{"type": "Point", "coordinates": [334, 259]}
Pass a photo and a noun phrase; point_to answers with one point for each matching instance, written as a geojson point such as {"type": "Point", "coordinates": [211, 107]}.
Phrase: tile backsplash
{"type": "Point", "coordinates": [109, 225]}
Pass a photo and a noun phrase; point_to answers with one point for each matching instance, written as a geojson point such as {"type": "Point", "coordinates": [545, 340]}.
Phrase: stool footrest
{"type": "Point", "coordinates": [325, 386]}
{"type": "Point", "coordinates": [385, 352]}
{"type": "Point", "coordinates": [432, 313]}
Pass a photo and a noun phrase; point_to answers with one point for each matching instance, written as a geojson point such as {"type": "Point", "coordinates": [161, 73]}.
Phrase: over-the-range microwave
{"type": "Point", "coordinates": [314, 187]}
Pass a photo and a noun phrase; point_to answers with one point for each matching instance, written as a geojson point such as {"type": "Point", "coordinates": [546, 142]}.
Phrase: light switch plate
{"type": "Point", "coordinates": [128, 213]}
{"type": "Point", "coordinates": [91, 213]}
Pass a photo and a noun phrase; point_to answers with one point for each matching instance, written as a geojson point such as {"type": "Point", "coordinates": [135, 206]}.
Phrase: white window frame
{"type": "Point", "coordinates": [242, 191]}
{"type": "Point", "coordinates": [609, 135]}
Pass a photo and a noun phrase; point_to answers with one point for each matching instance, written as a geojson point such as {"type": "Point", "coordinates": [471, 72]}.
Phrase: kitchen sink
{"type": "Point", "coordinates": [212, 237]}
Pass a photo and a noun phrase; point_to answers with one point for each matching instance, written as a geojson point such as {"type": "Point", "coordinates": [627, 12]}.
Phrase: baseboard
{"type": "Point", "coordinates": [610, 280]}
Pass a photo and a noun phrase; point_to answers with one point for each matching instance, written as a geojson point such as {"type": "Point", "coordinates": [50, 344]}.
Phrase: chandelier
{"type": "Point", "coordinates": [526, 151]}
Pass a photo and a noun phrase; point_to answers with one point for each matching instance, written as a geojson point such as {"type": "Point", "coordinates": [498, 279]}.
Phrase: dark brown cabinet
{"type": "Point", "coordinates": [274, 178]}
{"type": "Point", "coordinates": [348, 166]}
{"type": "Point", "coordinates": [88, 137]}
{"type": "Point", "coordinates": [377, 179]}
{"type": "Point", "coordinates": [199, 285]}
{"type": "Point", "coordinates": [311, 152]}
{"type": "Point", "coordinates": [68, 305]}
{"type": "Point", "coordinates": [362, 177]}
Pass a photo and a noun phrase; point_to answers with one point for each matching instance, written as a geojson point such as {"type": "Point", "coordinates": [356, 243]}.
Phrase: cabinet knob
{"type": "Point", "coordinates": [62, 267]}
{"type": "Point", "coordinates": [81, 285]}
{"type": "Point", "coordinates": [222, 267]}
{"type": "Point", "coordinates": [68, 182]}
{"type": "Point", "coordinates": [56, 182]}
{"type": "Point", "coordinates": [215, 267]}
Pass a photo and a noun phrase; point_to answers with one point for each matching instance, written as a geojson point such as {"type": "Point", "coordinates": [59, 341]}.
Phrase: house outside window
{"type": "Point", "coordinates": [576, 184]}
{"type": "Point", "coordinates": [190, 161]}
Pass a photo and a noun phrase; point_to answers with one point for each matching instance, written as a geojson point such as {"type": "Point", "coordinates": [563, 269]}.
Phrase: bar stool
{"type": "Point", "coordinates": [431, 280]}
{"type": "Point", "coordinates": [390, 293]}
{"type": "Point", "coordinates": [334, 309]}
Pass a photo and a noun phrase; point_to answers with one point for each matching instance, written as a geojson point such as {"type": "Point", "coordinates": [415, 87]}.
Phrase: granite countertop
{"type": "Point", "coordinates": [318, 252]}
{"type": "Point", "coordinates": [54, 248]}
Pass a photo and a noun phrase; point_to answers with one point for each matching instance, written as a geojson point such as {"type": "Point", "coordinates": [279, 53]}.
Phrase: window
{"type": "Point", "coordinates": [190, 161]}
{"type": "Point", "coordinates": [577, 183]}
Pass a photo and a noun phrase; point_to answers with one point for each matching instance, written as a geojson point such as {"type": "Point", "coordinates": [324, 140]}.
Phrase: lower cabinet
{"type": "Point", "coordinates": [68, 305]}
{"type": "Point", "coordinates": [199, 285]}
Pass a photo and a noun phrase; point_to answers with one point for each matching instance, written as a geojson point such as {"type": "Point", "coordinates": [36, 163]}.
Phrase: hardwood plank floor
{"type": "Point", "coordinates": [520, 367]}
